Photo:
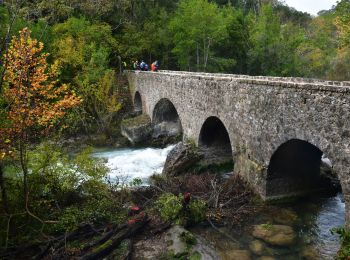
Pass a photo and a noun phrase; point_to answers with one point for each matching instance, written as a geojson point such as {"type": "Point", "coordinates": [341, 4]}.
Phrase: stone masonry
{"type": "Point", "coordinates": [259, 113]}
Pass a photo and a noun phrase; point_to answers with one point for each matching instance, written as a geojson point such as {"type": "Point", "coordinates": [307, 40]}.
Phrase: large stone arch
{"type": "Point", "coordinates": [214, 141]}
{"type": "Point", "coordinates": [296, 168]}
{"type": "Point", "coordinates": [166, 119]}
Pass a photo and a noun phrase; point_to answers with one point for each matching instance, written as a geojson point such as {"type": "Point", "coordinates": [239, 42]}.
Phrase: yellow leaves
{"type": "Point", "coordinates": [34, 97]}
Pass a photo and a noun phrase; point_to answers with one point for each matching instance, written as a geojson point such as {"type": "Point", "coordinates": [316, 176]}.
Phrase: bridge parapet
{"type": "Point", "coordinates": [261, 78]}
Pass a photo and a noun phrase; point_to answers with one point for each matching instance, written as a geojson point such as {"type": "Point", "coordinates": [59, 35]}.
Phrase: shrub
{"type": "Point", "coordinates": [169, 206]}
{"type": "Point", "coordinates": [172, 208]}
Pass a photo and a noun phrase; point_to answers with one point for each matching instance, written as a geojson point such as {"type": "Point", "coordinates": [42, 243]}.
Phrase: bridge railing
{"type": "Point", "coordinates": [267, 78]}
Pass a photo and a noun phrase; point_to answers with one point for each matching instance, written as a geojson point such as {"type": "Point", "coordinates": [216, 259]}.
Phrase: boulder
{"type": "Point", "coordinates": [284, 216]}
{"type": "Point", "coordinates": [137, 129]}
{"type": "Point", "coordinates": [180, 158]}
{"type": "Point", "coordinates": [236, 255]}
{"type": "Point", "coordinates": [178, 246]}
{"type": "Point", "coordinates": [278, 235]}
{"type": "Point", "coordinates": [267, 258]}
{"type": "Point", "coordinates": [257, 247]}
{"type": "Point", "coordinates": [309, 253]}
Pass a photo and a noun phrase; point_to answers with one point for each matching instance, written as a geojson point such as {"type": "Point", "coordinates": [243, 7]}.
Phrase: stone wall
{"type": "Point", "coordinates": [259, 113]}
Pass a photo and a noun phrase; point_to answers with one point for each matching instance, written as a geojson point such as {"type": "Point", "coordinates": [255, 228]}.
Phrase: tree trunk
{"type": "Point", "coordinates": [206, 55]}
{"type": "Point", "coordinates": [23, 159]}
{"type": "Point", "coordinates": [3, 190]}
{"type": "Point", "coordinates": [197, 57]}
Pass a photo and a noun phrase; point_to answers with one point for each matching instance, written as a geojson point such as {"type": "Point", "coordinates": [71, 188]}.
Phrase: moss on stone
{"type": "Point", "coordinates": [136, 121]}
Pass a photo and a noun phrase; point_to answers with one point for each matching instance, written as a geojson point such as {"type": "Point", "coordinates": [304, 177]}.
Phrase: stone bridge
{"type": "Point", "coordinates": [278, 131]}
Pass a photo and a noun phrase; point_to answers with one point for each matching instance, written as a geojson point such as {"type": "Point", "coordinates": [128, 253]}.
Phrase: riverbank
{"type": "Point", "coordinates": [226, 218]}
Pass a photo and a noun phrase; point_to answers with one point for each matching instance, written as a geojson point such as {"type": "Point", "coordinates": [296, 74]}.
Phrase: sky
{"type": "Point", "coordinates": [311, 6]}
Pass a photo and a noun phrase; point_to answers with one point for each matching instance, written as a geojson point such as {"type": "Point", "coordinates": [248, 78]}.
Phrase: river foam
{"type": "Point", "coordinates": [129, 163]}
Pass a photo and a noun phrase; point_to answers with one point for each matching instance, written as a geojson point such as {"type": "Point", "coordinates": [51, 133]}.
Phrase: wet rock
{"type": "Point", "coordinates": [267, 258]}
{"type": "Point", "coordinates": [178, 246]}
{"type": "Point", "coordinates": [166, 128]}
{"type": "Point", "coordinates": [236, 255]}
{"type": "Point", "coordinates": [309, 253]}
{"type": "Point", "coordinates": [137, 129]}
{"type": "Point", "coordinates": [257, 247]}
{"type": "Point", "coordinates": [284, 216]}
{"type": "Point", "coordinates": [180, 158]}
{"type": "Point", "coordinates": [171, 243]}
{"type": "Point", "coordinates": [278, 235]}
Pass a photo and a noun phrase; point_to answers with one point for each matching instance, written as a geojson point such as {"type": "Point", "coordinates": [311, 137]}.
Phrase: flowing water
{"type": "Point", "coordinates": [129, 163]}
{"type": "Point", "coordinates": [312, 218]}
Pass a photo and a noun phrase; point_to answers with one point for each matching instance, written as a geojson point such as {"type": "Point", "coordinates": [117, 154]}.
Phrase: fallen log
{"type": "Point", "coordinates": [111, 244]}
{"type": "Point", "coordinates": [104, 238]}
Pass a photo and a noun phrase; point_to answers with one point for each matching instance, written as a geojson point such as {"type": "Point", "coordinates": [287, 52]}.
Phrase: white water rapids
{"type": "Point", "coordinates": [129, 163]}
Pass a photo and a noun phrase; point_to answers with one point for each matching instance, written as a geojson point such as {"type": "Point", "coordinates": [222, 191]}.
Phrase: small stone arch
{"type": "Point", "coordinates": [137, 102]}
{"type": "Point", "coordinates": [214, 141]}
{"type": "Point", "coordinates": [298, 168]}
{"type": "Point", "coordinates": [166, 119]}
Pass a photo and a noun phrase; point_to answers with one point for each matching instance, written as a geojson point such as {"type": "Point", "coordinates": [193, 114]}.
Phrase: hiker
{"type": "Point", "coordinates": [155, 66]}
{"type": "Point", "coordinates": [136, 65]}
{"type": "Point", "coordinates": [142, 65]}
{"type": "Point", "coordinates": [146, 67]}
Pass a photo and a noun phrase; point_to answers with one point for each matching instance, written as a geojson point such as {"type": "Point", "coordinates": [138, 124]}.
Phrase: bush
{"type": "Point", "coordinates": [344, 234]}
{"type": "Point", "coordinates": [173, 208]}
{"type": "Point", "coordinates": [169, 206]}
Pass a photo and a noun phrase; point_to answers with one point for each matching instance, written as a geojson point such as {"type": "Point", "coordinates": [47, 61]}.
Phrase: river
{"type": "Point", "coordinates": [312, 218]}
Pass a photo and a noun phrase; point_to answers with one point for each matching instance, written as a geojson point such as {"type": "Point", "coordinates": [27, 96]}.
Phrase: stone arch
{"type": "Point", "coordinates": [214, 141]}
{"type": "Point", "coordinates": [298, 168]}
{"type": "Point", "coordinates": [137, 102]}
{"type": "Point", "coordinates": [166, 119]}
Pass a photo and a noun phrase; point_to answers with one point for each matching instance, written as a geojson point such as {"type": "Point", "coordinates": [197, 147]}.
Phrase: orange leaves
{"type": "Point", "coordinates": [35, 99]}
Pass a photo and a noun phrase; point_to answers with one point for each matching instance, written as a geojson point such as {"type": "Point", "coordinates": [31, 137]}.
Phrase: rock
{"type": "Point", "coordinates": [257, 247]}
{"type": "Point", "coordinates": [267, 258]}
{"type": "Point", "coordinates": [278, 235]}
{"type": "Point", "coordinates": [236, 255]}
{"type": "Point", "coordinates": [180, 158]}
{"type": "Point", "coordinates": [284, 216]}
{"type": "Point", "coordinates": [170, 242]}
{"type": "Point", "coordinates": [137, 129]}
{"type": "Point", "coordinates": [309, 253]}
{"type": "Point", "coordinates": [166, 128]}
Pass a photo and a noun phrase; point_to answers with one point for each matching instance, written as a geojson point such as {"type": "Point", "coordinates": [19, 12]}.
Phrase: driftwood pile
{"type": "Point", "coordinates": [93, 243]}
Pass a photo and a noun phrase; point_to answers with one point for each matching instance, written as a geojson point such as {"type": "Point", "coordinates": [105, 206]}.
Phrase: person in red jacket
{"type": "Point", "coordinates": [155, 66]}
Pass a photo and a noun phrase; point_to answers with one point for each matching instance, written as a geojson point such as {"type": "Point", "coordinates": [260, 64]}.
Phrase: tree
{"type": "Point", "coordinates": [196, 26]}
{"type": "Point", "coordinates": [35, 100]}
{"type": "Point", "coordinates": [342, 21]}
{"type": "Point", "coordinates": [85, 53]}
{"type": "Point", "coordinates": [340, 65]}
{"type": "Point", "coordinates": [265, 40]}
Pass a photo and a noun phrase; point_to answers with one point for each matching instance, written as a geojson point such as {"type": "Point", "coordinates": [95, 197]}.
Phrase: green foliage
{"type": "Point", "coordinates": [169, 206]}
{"type": "Point", "coordinates": [172, 208]}
{"type": "Point", "coordinates": [196, 26]}
{"type": "Point", "coordinates": [85, 52]}
{"type": "Point", "coordinates": [68, 190]}
{"type": "Point", "coordinates": [266, 226]}
{"type": "Point", "coordinates": [344, 234]}
{"type": "Point", "coordinates": [188, 238]}
{"type": "Point", "coordinates": [197, 209]}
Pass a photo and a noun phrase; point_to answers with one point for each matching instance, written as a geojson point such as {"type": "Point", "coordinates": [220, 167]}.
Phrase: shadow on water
{"type": "Point", "coordinates": [311, 218]}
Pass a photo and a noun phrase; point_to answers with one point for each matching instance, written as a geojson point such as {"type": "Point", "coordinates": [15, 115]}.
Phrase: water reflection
{"type": "Point", "coordinates": [311, 218]}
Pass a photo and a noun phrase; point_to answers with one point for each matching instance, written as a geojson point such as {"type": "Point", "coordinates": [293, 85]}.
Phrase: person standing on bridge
{"type": "Point", "coordinates": [142, 65]}
{"type": "Point", "coordinates": [155, 66]}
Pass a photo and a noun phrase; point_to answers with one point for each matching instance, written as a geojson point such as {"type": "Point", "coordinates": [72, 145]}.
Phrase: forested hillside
{"type": "Point", "coordinates": [250, 37]}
